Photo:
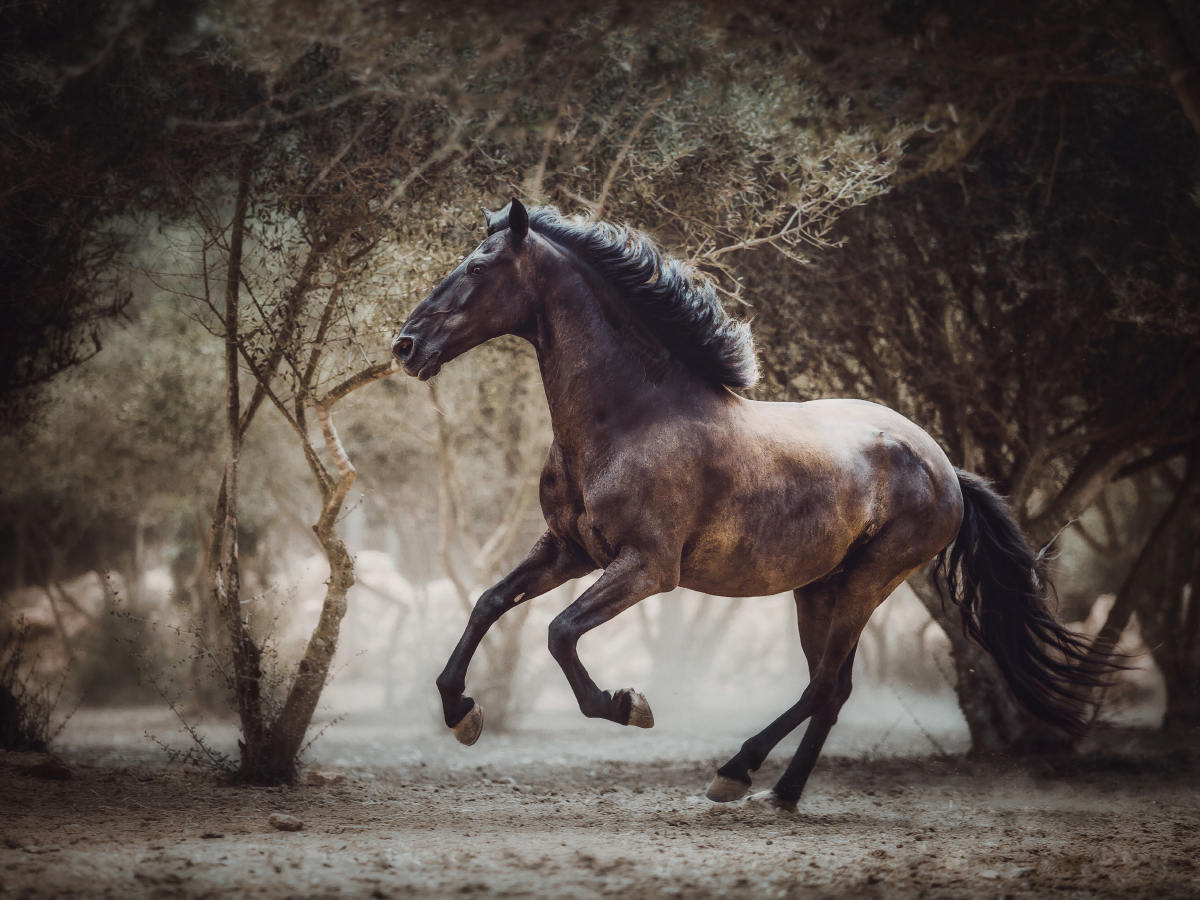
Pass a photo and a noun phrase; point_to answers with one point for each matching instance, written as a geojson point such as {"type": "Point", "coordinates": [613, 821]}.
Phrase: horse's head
{"type": "Point", "coordinates": [488, 295]}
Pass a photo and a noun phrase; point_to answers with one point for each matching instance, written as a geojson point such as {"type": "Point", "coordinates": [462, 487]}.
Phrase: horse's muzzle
{"type": "Point", "coordinates": [421, 364]}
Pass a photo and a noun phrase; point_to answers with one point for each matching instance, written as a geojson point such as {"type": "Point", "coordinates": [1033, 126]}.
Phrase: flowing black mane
{"type": "Point", "coordinates": [677, 303]}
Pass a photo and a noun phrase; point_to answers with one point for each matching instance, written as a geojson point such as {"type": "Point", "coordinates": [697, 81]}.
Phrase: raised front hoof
{"type": "Point", "coordinates": [727, 790]}
{"type": "Point", "coordinates": [639, 714]}
{"type": "Point", "coordinates": [769, 800]}
{"type": "Point", "coordinates": [468, 730]}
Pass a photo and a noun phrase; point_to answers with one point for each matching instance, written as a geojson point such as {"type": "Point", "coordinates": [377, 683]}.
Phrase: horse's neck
{"type": "Point", "coordinates": [599, 368]}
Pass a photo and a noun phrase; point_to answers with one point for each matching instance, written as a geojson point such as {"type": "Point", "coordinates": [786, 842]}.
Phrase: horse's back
{"type": "Point", "coordinates": [845, 433]}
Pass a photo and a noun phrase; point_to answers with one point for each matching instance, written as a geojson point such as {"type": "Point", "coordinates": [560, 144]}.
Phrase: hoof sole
{"type": "Point", "coordinates": [770, 800]}
{"type": "Point", "coordinates": [639, 710]}
{"type": "Point", "coordinates": [726, 790]}
{"type": "Point", "coordinates": [468, 730]}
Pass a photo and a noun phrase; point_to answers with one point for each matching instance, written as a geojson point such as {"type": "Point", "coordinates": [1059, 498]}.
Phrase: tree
{"type": "Point", "coordinates": [1170, 622]}
{"type": "Point", "coordinates": [299, 337]}
{"type": "Point", "coordinates": [610, 117]}
{"type": "Point", "coordinates": [1159, 584]}
{"type": "Point", "coordinates": [1045, 349]}
{"type": "Point", "coordinates": [77, 102]}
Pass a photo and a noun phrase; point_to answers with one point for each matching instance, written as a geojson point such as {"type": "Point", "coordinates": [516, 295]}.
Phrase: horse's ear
{"type": "Point", "coordinates": [492, 219]}
{"type": "Point", "coordinates": [518, 221]}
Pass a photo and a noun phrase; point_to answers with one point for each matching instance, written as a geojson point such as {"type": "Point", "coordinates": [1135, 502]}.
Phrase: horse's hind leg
{"type": "Point", "coordinates": [815, 605]}
{"type": "Point", "coordinates": [788, 788]}
{"type": "Point", "coordinates": [845, 602]}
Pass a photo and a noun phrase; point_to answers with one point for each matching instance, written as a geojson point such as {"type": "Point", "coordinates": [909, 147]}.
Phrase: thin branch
{"type": "Point", "coordinates": [624, 152]}
{"type": "Point", "coordinates": [361, 379]}
{"type": "Point", "coordinates": [346, 470]}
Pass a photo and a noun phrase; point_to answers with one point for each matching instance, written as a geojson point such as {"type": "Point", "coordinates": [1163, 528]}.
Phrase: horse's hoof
{"type": "Point", "coordinates": [770, 800]}
{"type": "Point", "coordinates": [468, 730]}
{"type": "Point", "coordinates": [639, 710]}
{"type": "Point", "coordinates": [726, 790]}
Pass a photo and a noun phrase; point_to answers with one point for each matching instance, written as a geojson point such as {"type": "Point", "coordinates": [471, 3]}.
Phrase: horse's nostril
{"type": "Point", "coordinates": [402, 347]}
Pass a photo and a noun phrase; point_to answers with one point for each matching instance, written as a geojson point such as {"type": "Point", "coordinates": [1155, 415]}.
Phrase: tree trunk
{"type": "Point", "coordinates": [271, 743]}
{"type": "Point", "coordinates": [499, 688]}
{"type": "Point", "coordinates": [1183, 697]}
{"type": "Point", "coordinates": [273, 759]}
{"type": "Point", "coordinates": [1168, 614]}
{"type": "Point", "coordinates": [500, 650]}
{"type": "Point", "coordinates": [225, 571]}
{"type": "Point", "coordinates": [1148, 563]}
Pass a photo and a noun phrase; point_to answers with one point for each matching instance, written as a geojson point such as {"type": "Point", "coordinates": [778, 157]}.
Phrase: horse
{"type": "Point", "coordinates": [661, 474]}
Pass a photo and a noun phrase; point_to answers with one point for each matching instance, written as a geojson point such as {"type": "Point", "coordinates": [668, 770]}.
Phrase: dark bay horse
{"type": "Point", "coordinates": [661, 475]}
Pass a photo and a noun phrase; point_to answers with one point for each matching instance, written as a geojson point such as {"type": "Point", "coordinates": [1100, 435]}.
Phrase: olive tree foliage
{"type": "Point", "coordinates": [646, 117]}
{"type": "Point", "coordinates": [80, 135]}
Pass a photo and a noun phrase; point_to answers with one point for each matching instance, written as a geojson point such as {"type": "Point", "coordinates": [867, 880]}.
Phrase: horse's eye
{"type": "Point", "coordinates": [477, 269]}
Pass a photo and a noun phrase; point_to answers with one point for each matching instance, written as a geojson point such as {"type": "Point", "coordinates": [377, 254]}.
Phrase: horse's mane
{"type": "Point", "coordinates": [676, 302]}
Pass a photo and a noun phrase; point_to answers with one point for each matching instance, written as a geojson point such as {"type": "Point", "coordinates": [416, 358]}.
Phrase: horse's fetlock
{"type": "Point", "coordinates": [736, 771]}
{"type": "Point", "coordinates": [593, 710]}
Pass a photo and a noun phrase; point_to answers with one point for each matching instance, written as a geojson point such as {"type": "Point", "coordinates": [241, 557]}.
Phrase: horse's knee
{"type": "Point", "coordinates": [838, 696]}
{"type": "Point", "coordinates": [561, 637]}
{"type": "Point", "coordinates": [490, 606]}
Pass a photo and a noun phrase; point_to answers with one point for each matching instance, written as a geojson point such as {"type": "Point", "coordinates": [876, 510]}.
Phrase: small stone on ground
{"type": "Point", "coordinates": [285, 822]}
{"type": "Point", "coordinates": [323, 778]}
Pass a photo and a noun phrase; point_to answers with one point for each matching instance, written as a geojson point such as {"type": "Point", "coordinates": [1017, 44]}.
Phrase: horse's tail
{"type": "Point", "coordinates": [995, 580]}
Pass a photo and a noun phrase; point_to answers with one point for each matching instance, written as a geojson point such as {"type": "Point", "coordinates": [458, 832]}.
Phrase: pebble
{"type": "Point", "coordinates": [323, 778]}
{"type": "Point", "coordinates": [285, 822]}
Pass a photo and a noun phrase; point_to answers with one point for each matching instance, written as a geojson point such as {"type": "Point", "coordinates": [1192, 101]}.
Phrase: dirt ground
{"type": "Point", "coordinates": [589, 814]}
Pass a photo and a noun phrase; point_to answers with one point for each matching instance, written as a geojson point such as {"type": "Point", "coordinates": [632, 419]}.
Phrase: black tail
{"type": "Point", "coordinates": [995, 580]}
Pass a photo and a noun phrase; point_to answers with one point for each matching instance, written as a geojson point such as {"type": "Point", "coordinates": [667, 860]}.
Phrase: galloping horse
{"type": "Point", "coordinates": [661, 475]}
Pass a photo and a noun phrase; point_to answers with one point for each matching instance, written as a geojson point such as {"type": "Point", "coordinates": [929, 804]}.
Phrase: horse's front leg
{"type": "Point", "coordinates": [550, 563]}
{"type": "Point", "coordinates": [632, 577]}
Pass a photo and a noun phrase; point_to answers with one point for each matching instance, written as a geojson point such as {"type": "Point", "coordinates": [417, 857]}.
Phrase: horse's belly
{"type": "Point", "coordinates": [756, 562]}
{"type": "Point", "coordinates": [720, 584]}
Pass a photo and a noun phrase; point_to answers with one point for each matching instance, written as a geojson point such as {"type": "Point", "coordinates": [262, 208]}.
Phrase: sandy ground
{"type": "Point", "coordinates": [589, 812]}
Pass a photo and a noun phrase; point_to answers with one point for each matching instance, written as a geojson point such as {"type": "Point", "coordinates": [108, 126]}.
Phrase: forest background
{"type": "Point", "coordinates": [214, 217]}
